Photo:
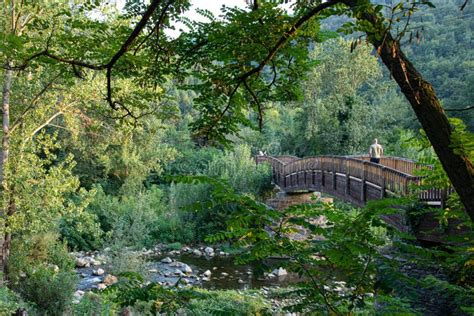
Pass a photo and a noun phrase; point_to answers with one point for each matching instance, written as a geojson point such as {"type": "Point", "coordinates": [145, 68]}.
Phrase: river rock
{"type": "Point", "coordinates": [186, 249]}
{"type": "Point", "coordinates": [205, 279]}
{"type": "Point", "coordinates": [101, 286]}
{"type": "Point", "coordinates": [81, 262]}
{"type": "Point", "coordinates": [197, 252]}
{"type": "Point", "coordinates": [186, 269]}
{"type": "Point", "coordinates": [167, 260]}
{"type": "Point", "coordinates": [209, 251]}
{"type": "Point", "coordinates": [179, 272]}
{"type": "Point", "coordinates": [110, 279]}
{"type": "Point", "coordinates": [224, 274]}
{"type": "Point", "coordinates": [207, 273]}
{"type": "Point", "coordinates": [98, 272]}
{"type": "Point", "coordinates": [221, 253]}
{"type": "Point", "coordinates": [79, 293]}
{"type": "Point", "coordinates": [280, 272]}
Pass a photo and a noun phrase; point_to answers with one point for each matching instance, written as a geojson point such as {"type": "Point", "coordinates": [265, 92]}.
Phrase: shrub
{"type": "Point", "coordinates": [50, 291]}
{"type": "Point", "coordinates": [93, 304]}
{"type": "Point", "coordinates": [238, 168]}
{"type": "Point", "coordinates": [125, 261]}
{"type": "Point", "coordinates": [129, 220]}
{"type": "Point", "coordinates": [9, 301]}
{"type": "Point", "coordinates": [173, 226]}
{"type": "Point", "coordinates": [229, 303]}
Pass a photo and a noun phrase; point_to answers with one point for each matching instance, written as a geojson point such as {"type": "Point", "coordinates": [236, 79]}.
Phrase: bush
{"type": "Point", "coordinates": [124, 261]}
{"type": "Point", "coordinates": [129, 220]}
{"type": "Point", "coordinates": [93, 304]}
{"type": "Point", "coordinates": [82, 231]}
{"type": "Point", "coordinates": [173, 227]}
{"type": "Point", "coordinates": [9, 301]}
{"type": "Point", "coordinates": [229, 303]}
{"type": "Point", "coordinates": [42, 272]}
{"type": "Point", "coordinates": [50, 291]}
{"type": "Point", "coordinates": [238, 168]}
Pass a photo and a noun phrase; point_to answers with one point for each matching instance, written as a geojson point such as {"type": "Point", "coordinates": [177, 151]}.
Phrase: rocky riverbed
{"type": "Point", "coordinates": [206, 267]}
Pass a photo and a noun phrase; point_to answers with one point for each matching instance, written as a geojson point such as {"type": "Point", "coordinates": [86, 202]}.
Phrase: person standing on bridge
{"type": "Point", "coordinates": [375, 151]}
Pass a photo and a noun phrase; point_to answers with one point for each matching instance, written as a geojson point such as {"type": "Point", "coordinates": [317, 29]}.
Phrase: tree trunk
{"type": "Point", "coordinates": [5, 241]}
{"type": "Point", "coordinates": [428, 110]}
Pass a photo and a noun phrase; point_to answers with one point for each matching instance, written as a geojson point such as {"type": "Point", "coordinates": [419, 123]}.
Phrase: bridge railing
{"type": "Point", "coordinates": [404, 165]}
{"type": "Point", "coordinates": [390, 177]}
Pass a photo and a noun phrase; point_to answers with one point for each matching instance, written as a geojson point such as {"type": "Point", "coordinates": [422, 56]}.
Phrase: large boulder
{"type": "Point", "coordinates": [81, 262]}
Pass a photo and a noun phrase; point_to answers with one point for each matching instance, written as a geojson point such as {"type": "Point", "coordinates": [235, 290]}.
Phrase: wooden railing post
{"type": "Point", "coordinates": [347, 187]}
{"type": "Point", "coordinates": [444, 197]}
{"type": "Point", "coordinates": [334, 177]}
{"type": "Point", "coordinates": [363, 188]}
{"type": "Point", "coordinates": [383, 184]}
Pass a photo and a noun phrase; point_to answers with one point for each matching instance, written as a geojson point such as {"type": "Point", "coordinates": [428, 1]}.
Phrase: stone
{"type": "Point", "coordinates": [209, 251]}
{"type": "Point", "coordinates": [207, 273]}
{"type": "Point", "coordinates": [178, 272]}
{"type": "Point", "coordinates": [148, 252]}
{"type": "Point", "coordinates": [176, 264]}
{"type": "Point", "coordinates": [271, 275]}
{"type": "Point", "coordinates": [224, 274]}
{"type": "Point", "coordinates": [221, 253]}
{"type": "Point", "coordinates": [241, 281]}
{"type": "Point", "coordinates": [197, 252]}
{"type": "Point", "coordinates": [81, 262]}
{"type": "Point", "coordinates": [79, 293]}
{"type": "Point", "coordinates": [186, 249]}
{"type": "Point", "coordinates": [153, 270]}
{"type": "Point", "coordinates": [205, 279]}
{"type": "Point", "coordinates": [95, 262]}
{"type": "Point", "coordinates": [214, 268]}
{"type": "Point", "coordinates": [186, 269]}
{"type": "Point", "coordinates": [167, 260]}
{"type": "Point", "coordinates": [98, 272]}
{"type": "Point", "coordinates": [110, 279]}
{"type": "Point", "coordinates": [280, 272]}
{"type": "Point", "coordinates": [101, 286]}
{"type": "Point", "coordinates": [185, 281]}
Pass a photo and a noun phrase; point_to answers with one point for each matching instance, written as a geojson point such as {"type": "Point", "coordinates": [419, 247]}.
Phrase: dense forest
{"type": "Point", "coordinates": [131, 132]}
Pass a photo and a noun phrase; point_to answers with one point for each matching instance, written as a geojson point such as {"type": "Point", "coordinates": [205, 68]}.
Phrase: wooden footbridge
{"type": "Point", "coordinates": [353, 178]}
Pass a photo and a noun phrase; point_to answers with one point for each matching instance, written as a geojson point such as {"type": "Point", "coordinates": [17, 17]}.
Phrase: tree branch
{"type": "Point", "coordinates": [460, 110]}
{"type": "Point", "coordinates": [285, 37]}
{"type": "Point", "coordinates": [109, 65]}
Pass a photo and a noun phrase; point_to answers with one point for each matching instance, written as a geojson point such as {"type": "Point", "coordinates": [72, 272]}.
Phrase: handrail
{"type": "Point", "coordinates": [352, 177]}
